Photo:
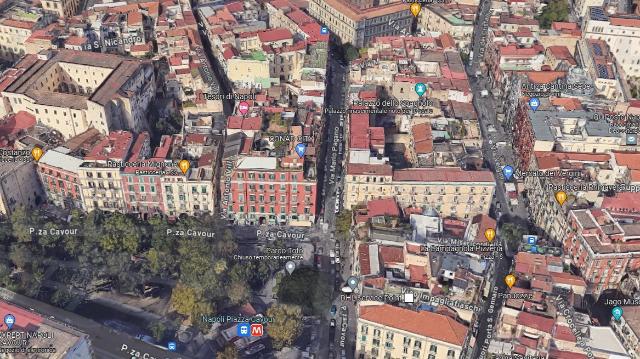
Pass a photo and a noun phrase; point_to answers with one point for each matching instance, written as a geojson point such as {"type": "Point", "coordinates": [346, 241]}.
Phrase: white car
{"type": "Point", "coordinates": [332, 253]}
{"type": "Point", "coordinates": [337, 260]}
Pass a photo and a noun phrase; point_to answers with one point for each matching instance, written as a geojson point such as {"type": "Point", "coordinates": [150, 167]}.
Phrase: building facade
{"type": "Point", "coordinates": [386, 331]}
{"type": "Point", "coordinates": [72, 91]}
{"type": "Point", "coordinates": [262, 191]}
{"type": "Point", "coordinates": [360, 26]}
{"type": "Point", "coordinates": [59, 175]}
{"type": "Point", "coordinates": [451, 191]}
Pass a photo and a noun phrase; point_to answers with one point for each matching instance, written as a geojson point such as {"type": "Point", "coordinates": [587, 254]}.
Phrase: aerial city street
{"type": "Point", "coordinates": [329, 179]}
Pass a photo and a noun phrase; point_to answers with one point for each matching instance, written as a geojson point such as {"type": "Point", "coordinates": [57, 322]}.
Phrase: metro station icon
{"type": "Point", "coordinates": [243, 330]}
{"type": "Point", "coordinates": [324, 30]}
{"type": "Point", "coordinates": [172, 346]}
{"type": "Point", "coordinates": [257, 330]}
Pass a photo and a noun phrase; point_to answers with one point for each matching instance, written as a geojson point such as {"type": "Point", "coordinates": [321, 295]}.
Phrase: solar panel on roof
{"type": "Point", "coordinates": [597, 49]}
{"type": "Point", "coordinates": [602, 71]}
{"type": "Point", "coordinates": [597, 14]}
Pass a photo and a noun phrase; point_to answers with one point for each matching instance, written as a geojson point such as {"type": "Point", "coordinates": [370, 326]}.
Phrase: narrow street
{"type": "Point", "coordinates": [497, 157]}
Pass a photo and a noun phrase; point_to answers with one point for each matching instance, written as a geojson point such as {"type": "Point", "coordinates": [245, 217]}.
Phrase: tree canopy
{"type": "Point", "coordinates": [556, 10]}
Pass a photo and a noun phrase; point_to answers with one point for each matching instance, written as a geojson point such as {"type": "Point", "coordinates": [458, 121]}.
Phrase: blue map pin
{"type": "Point", "coordinates": [421, 88]}
{"type": "Point", "coordinates": [9, 320]}
{"type": "Point", "coordinates": [616, 312]}
{"type": "Point", "coordinates": [534, 103]}
{"type": "Point", "coordinates": [301, 148]}
{"type": "Point", "coordinates": [507, 171]}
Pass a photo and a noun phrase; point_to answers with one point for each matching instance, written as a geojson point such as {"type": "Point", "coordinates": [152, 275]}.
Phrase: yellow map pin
{"type": "Point", "coordinates": [490, 234]}
{"type": "Point", "coordinates": [415, 8]}
{"type": "Point", "coordinates": [184, 166]}
{"type": "Point", "coordinates": [36, 153]}
{"type": "Point", "coordinates": [561, 197]}
{"type": "Point", "coordinates": [510, 279]}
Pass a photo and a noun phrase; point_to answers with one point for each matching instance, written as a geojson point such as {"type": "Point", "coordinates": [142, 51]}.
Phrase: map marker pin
{"type": "Point", "coordinates": [290, 266]}
{"type": "Point", "coordinates": [243, 108]}
{"type": "Point", "coordinates": [534, 103]}
{"type": "Point", "coordinates": [352, 282]}
{"type": "Point", "coordinates": [616, 312]}
{"type": "Point", "coordinates": [37, 153]}
{"type": "Point", "coordinates": [510, 279]}
{"type": "Point", "coordinates": [420, 88]}
{"type": "Point", "coordinates": [415, 9]}
{"type": "Point", "coordinates": [301, 148]}
{"type": "Point", "coordinates": [507, 171]}
{"type": "Point", "coordinates": [9, 320]}
{"type": "Point", "coordinates": [561, 197]}
{"type": "Point", "coordinates": [490, 234]}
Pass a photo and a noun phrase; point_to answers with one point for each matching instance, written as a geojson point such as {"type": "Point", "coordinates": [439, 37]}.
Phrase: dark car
{"type": "Point", "coordinates": [334, 310]}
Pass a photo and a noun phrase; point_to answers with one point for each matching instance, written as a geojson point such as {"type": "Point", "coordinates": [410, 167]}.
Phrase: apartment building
{"type": "Point", "coordinates": [622, 35]}
{"type": "Point", "coordinates": [450, 190]}
{"type": "Point", "coordinates": [193, 194]}
{"type": "Point", "coordinates": [100, 173]}
{"type": "Point", "coordinates": [13, 37]}
{"type": "Point", "coordinates": [597, 60]}
{"type": "Point", "coordinates": [359, 26]}
{"type": "Point", "coordinates": [545, 210]}
{"type": "Point", "coordinates": [19, 185]}
{"type": "Point", "coordinates": [627, 330]}
{"type": "Point", "coordinates": [566, 131]}
{"type": "Point", "coordinates": [269, 190]}
{"type": "Point", "coordinates": [64, 8]}
{"type": "Point", "coordinates": [386, 331]}
{"type": "Point", "coordinates": [602, 248]}
{"type": "Point", "coordinates": [454, 19]}
{"type": "Point", "coordinates": [59, 175]}
{"type": "Point", "coordinates": [72, 91]}
{"type": "Point", "coordinates": [68, 341]}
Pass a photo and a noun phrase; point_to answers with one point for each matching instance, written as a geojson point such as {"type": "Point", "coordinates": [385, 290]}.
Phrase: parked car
{"type": "Point", "coordinates": [334, 310]}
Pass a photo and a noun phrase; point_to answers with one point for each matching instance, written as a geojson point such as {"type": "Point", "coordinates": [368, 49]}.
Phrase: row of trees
{"type": "Point", "coordinates": [129, 253]}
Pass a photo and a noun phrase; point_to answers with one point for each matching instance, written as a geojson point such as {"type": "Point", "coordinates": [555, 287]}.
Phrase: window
{"type": "Point", "coordinates": [433, 349]}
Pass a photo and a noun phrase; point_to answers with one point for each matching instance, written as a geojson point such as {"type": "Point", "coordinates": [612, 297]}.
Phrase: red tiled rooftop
{"type": "Point", "coordinates": [391, 255]}
{"type": "Point", "coordinates": [382, 207]}
{"type": "Point", "coordinates": [534, 321]}
{"type": "Point", "coordinates": [116, 146]}
{"type": "Point", "coordinates": [18, 24]}
{"type": "Point", "coordinates": [567, 278]}
{"type": "Point", "coordinates": [273, 35]}
{"type": "Point", "coordinates": [629, 159]}
{"type": "Point", "coordinates": [13, 124]}
{"type": "Point", "coordinates": [545, 77]}
{"type": "Point", "coordinates": [623, 202]}
{"type": "Point", "coordinates": [558, 25]}
{"type": "Point", "coordinates": [564, 333]}
{"type": "Point", "coordinates": [75, 40]}
{"type": "Point", "coordinates": [299, 17]}
{"type": "Point", "coordinates": [25, 320]}
{"type": "Point", "coordinates": [418, 274]}
{"type": "Point", "coordinates": [366, 169]}
{"type": "Point", "coordinates": [363, 255]}
{"type": "Point", "coordinates": [235, 6]}
{"type": "Point", "coordinates": [624, 21]}
{"type": "Point", "coordinates": [440, 327]}
{"type": "Point", "coordinates": [568, 103]}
